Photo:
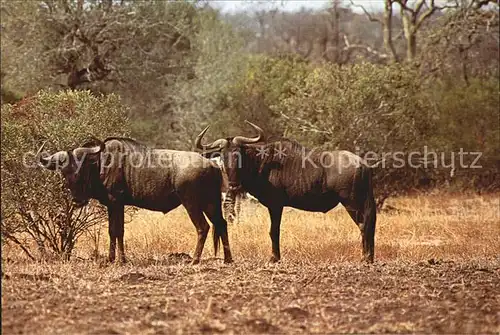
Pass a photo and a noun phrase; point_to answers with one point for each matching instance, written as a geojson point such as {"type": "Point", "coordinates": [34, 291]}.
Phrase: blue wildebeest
{"type": "Point", "coordinates": [284, 173]}
{"type": "Point", "coordinates": [120, 171]}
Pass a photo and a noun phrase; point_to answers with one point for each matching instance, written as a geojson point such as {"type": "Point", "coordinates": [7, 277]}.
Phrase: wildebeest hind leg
{"type": "Point", "coordinates": [214, 214]}
{"type": "Point", "coordinates": [274, 232]}
{"type": "Point", "coordinates": [369, 221]}
{"type": "Point", "coordinates": [202, 228]}
{"type": "Point", "coordinates": [365, 220]}
{"type": "Point", "coordinates": [357, 217]}
{"type": "Point", "coordinates": [116, 232]}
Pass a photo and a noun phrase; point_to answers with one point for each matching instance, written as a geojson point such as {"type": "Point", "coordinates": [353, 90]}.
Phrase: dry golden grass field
{"type": "Point", "coordinates": [437, 270]}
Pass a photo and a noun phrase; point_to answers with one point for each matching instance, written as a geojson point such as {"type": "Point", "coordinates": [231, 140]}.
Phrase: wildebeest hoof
{"type": "Point", "coordinates": [195, 262]}
{"type": "Point", "coordinates": [274, 259]}
{"type": "Point", "coordinates": [367, 259]}
{"type": "Point", "coordinates": [117, 262]}
{"type": "Point", "coordinates": [228, 261]}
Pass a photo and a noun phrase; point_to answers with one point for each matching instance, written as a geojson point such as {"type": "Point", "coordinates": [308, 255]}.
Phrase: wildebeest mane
{"type": "Point", "coordinates": [290, 163]}
{"type": "Point", "coordinates": [288, 168]}
{"type": "Point", "coordinates": [291, 149]}
{"type": "Point", "coordinates": [129, 143]}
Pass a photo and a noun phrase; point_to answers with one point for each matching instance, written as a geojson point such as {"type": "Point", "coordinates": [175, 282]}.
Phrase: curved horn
{"type": "Point", "coordinates": [247, 140]}
{"type": "Point", "coordinates": [40, 149]}
{"type": "Point", "coordinates": [212, 147]}
{"type": "Point", "coordinates": [44, 162]}
{"type": "Point", "coordinates": [90, 151]}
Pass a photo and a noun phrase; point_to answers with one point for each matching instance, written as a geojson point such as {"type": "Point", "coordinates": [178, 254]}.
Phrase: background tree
{"type": "Point", "coordinates": [133, 48]}
{"type": "Point", "coordinates": [463, 43]}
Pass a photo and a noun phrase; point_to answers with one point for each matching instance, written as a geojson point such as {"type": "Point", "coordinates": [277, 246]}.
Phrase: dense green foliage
{"type": "Point", "coordinates": [369, 106]}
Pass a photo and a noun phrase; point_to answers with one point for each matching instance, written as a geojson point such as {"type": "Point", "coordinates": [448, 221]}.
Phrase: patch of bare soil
{"type": "Point", "coordinates": [251, 297]}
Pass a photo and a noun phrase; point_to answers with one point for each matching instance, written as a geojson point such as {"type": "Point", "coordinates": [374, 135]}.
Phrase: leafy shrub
{"type": "Point", "coordinates": [230, 88]}
{"type": "Point", "coordinates": [467, 115]}
{"type": "Point", "coordinates": [467, 120]}
{"type": "Point", "coordinates": [36, 207]}
{"type": "Point", "coordinates": [363, 107]}
{"type": "Point", "coordinates": [262, 84]}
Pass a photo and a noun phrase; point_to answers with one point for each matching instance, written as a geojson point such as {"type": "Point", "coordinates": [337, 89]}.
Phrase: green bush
{"type": "Point", "coordinates": [363, 107]}
{"type": "Point", "coordinates": [261, 85]}
{"type": "Point", "coordinates": [467, 115]}
{"type": "Point", "coordinates": [36, 207]}
{"type": "Point", "coordinates": [368, 106]}
{"type": "Point", "coordinates": [467, 118]}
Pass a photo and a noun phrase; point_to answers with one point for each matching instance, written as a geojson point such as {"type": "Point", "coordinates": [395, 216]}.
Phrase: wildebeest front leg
{"type": "Point", "coordinates": [274, 232]}
{"type": "Point", "coordinates": [112, 246]}
{"type": "Point", "coordinates": [116, 232]}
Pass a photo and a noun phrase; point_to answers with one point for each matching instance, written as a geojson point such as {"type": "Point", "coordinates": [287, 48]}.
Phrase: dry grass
{"type": "Point", "coordinates": [424, 227]}
{"type": "Point", "coordinates": [437, 270]}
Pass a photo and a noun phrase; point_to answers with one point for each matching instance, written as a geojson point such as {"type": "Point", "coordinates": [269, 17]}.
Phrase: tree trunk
{"type": "Point", "coordinates": [387, 30]}
{"type": "Point", "coordinates": [464, 58]}
{"type": "Point", "coordinates": [410, 36]}
{"type": "Point", "coordinates": [411, 46]}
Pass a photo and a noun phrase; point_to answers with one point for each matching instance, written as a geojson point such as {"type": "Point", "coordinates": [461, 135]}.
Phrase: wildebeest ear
{"type": "Point", "coordinates": [211, 155]}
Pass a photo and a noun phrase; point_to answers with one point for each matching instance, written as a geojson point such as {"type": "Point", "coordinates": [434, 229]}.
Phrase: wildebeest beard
{"type": "Point", "coordinates": [83, 187]}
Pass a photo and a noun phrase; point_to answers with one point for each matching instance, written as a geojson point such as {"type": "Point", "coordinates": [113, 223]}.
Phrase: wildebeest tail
{"type": "Point", "coordinates": [220, 229]}
{"type": "Point", "coordinates": [369, 213]}
{"type": "Point", "coordinates": [217, 238]}
{"type": "Point", "coordinates": [219, 223]}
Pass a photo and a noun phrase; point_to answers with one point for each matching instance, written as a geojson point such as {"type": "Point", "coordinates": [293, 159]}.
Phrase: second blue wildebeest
{"type": "Point", "coordinates": [284, 173]}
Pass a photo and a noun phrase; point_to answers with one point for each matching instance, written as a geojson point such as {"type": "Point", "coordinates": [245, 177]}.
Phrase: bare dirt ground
{"type": "Point", "coordinates": [248, 298]}
{"type": "Point", "coordinates": [437, 270]}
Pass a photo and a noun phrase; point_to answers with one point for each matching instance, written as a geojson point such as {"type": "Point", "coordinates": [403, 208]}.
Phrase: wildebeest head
{"type": "Point", "coordinates": [78, 167]}
{"type": "Point", "coordinates": [230, 150]}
